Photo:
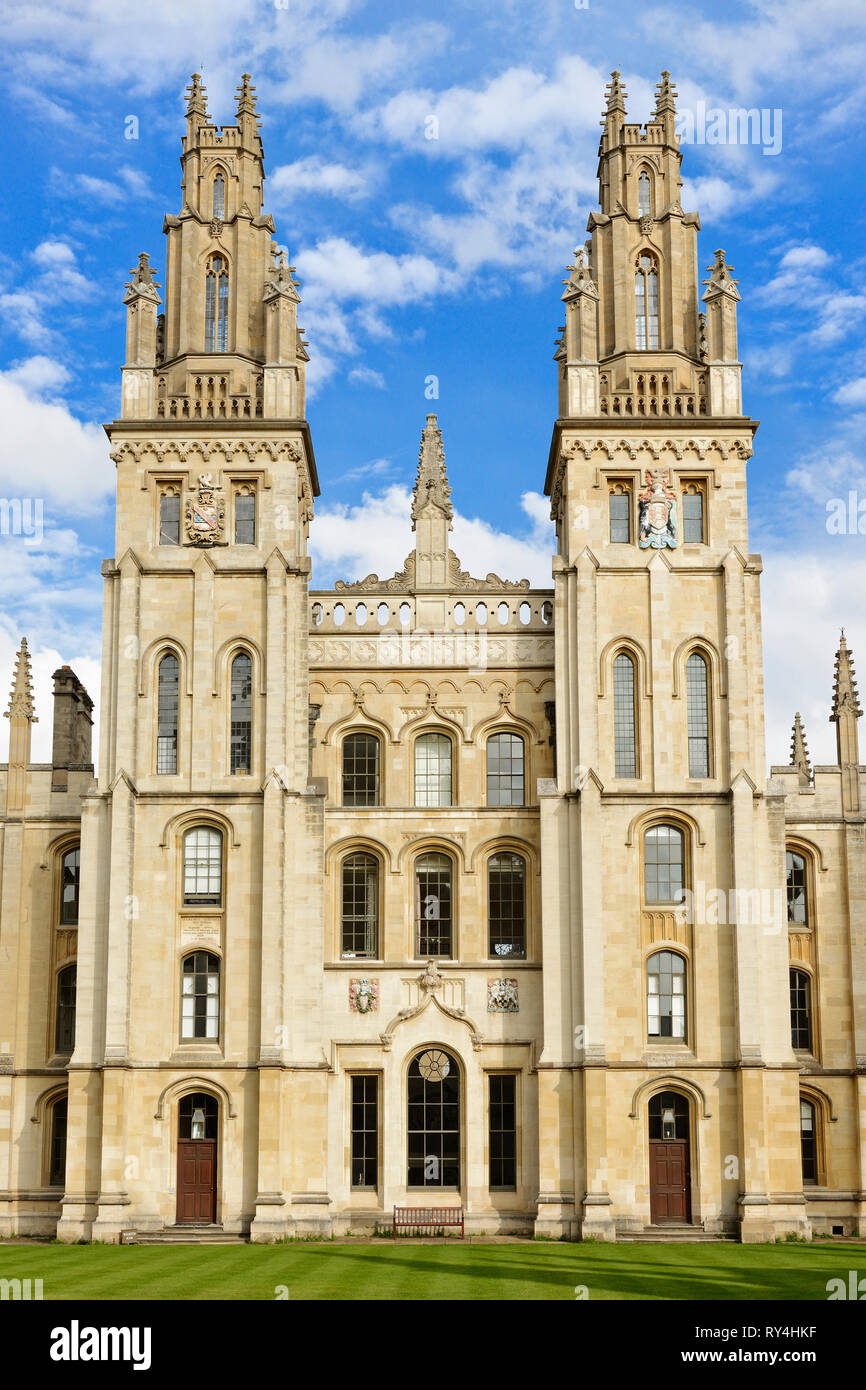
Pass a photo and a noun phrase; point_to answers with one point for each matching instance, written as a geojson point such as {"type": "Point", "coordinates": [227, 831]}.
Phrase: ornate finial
{"type": "Point", "coordinates": [666, 95]}
{"type": "Point", "coordinates": [721, 278]}
{"type": "Point", "coordinates": [580, 277]}
{"type": "Point", "coordinates": [142, 276]}
{"type": "Point", "coordinates": [196, 97]}
{"type": "Point", "coordinates": [615, 94]}
{"type": "Point", "coordinates": [246, 95]}
{"type": "Point", "coordinates": [21, 699]}
{"type": "Point", "coordinates": [431, 482]}
{"type": "Point", "coordinates": [799, 751]}
{"type": "Point", "coordinates": [845, 697]}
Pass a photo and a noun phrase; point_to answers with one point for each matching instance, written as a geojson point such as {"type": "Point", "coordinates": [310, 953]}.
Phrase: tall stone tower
{"type": "Point", "coordinates": [202, 840]}
{"type": "Point", "coordinates": [659, 833]}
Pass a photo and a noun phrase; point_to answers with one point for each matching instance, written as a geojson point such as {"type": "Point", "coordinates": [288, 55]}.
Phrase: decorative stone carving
{"type": "Point", "coordinates": [205, 514]}
{"type": "Point", "coordinates": [458, 580]}
{"type": "Point", "coordinates": [364, 995]}
{"type": "Point", "coordinates": [502, 996]}
{"type": "Point", "coordinates": [658, 516]}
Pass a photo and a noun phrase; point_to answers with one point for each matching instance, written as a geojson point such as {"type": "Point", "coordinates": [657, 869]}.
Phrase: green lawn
{"type": "Point", "coordinates": [535, 1270]}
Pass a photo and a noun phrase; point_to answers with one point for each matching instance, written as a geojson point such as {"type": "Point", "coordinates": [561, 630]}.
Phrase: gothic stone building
{"type": "Point", "coordinates": [433, 889]}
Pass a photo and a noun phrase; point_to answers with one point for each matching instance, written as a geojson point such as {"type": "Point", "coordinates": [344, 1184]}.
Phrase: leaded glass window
{"type": "Point", "coordinates": [433, 770]}
{"type": "Point", "coordinates": [797, 889]}
{"type": "Point", "coordinates": [64, 1033]}
{"type": "Point", "coordinates": [241, 713]}
{"type": "Point", "coordinates": [361, 770]}
{"type": "Point", "coordinates": [693, 516]}
{"type": "Point", "coordinates": [506, 888]}
{"type": "Point", "coordinates": [200, 996]}
{"type": "Point", "coordinates": [625, 752]}
{"type": "Point", "coordinates": [57, 1157]}
{"type": "Point", "coordinates": [809, 1141]}
{"type": "Point", "coordinates": [663, 864]}
{"type": "Point", "coordinates": [167, 713]}
{"type": "Point", "coordinates": [505, 770]}
{"type": "Point", "coordinates": [70, 876]}
{"type": "Point", "coordinates": [619, 504]}
{"type": "Point", "coordinates": [219, 197]}
{"type": "Point", "coordinates": [216, 311]}
{"type": "Point", "coordinates": [360, 905]}
{"type": "Point", "coordinates": [698, 716]}
{"type": "Point", "coordinates": [643, 195]}
{"type": "Point", "coordinates": [503, 1132]}
{"type": "Point", "coordinates": [666, 995]}
{"type": "Point", "coordinates": [202, 867]}
{"type": "Point", "coordinates": [646, 295]}
{"type": "Point", "coordinates": [365, 1131]}
{"type": "Point", "coordinates": [245, 518]}
{"type": "Point", "coordinates": [169, 518]}
{"type": "Point", "coordinates": [433, 905]}
{"type": "Point", "coordinates": [801, 1011]}
{"type": "Point", "coordinates": [433, 1120]}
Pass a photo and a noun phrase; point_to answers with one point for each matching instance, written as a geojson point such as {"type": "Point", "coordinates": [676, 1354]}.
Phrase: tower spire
{"type": "Point", "coordinates": [799, 751]}
{"type": "Point", "coordinates": [431, 510]}
{"type": "Point", "coordinates": [21, 698]}
{"type": "Point", "coordinates": [246, 95]}
{"type": "Point", "coordinates": [614, 111]}
{"type": "Point", "coordinates": [197, 113]}
{"type": "Point", "coordinates": [844, 714]}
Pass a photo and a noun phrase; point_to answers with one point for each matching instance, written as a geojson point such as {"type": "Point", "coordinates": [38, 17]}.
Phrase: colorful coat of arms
{"type": "Point", "coordinates": [658, 511]}
{"type": "Point", "coordinates": [502, 997]}
{"type": "Point", "coordinates": [205, 513]}
{"type": "Point", "coordinates": [364, 995]}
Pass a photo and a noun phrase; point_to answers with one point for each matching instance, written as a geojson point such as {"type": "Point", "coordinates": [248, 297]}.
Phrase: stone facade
{"type": "Point", "coordinates": [432, 888]}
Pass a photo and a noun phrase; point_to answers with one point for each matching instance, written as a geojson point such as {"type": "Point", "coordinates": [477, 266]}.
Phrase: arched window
{"type": "Point", "coordinates": [663, 865]}
{"type": "Point", "coordinates": [219, 197]}
{"type": "Point", "coordinates": [167, 703]}
{"type": "Point", "coordinates": [625, 751]}
{"type": "Point", "coordinates": [797, 888]}
{"type": "Point", "coordinates": [809, 1140]}
{"type": "Point", "coordinates": [666, 995]}
{"type": "Point", "coordinates": [70, 874]}
{"type": "Point", "coordinates": [433, 770]}
{"type": "Point", "coordinates": [801, 1011]}
{"type": "Point", "coordinates": [506, 896]}
{"type": "Point", "coordinates": [242, 713]}
{"type": "Point", "coordinates": [169, 518]}
{"type": "Point", "coordinates": [57, 1153]}
{"type": "Point", "coordinates": [644, 206]}
{"type": "Point", "coordinates": [198, 1116]}
{"type": "Point", "coordinates": [646, 303]}
{"type": "Point", "coordinates": [202, 867]}
{"type": "Point", "coordinates": [216, 305]}
{"type": "Point", "coordinates": [505, 770]}
{"type": "Point", "coordinates": [64, 1027]}
{"type": "Point", "coordinates": [200, 996]}
{"type": "Point", "coordinates": [361, 770]}
{"type": "Point", "coordinates": [668, 1114]}
{"type": "Point", "coordinates": [360, 905]}
{"type": "Point", "coordinates": [433, 905]}
{"type": "Point", "coordinates": [433, 1120]}
{"type": "Point", "coordinates": [698, 716]}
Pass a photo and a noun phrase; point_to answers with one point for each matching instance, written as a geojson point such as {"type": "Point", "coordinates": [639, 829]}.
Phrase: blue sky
{"type": "Point", "coordinates": [443, 257]}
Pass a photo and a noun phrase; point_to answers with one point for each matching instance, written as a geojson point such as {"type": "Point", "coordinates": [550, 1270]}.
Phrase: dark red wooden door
{"type": "Point", "coordinates": [670, 1198]}
{"type": "Point", "coordinates": [196, 1180]}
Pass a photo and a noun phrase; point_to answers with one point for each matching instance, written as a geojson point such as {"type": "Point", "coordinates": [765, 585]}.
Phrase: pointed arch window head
{"type": "Point", "coordinates": [216, 312]}
{"type": "Point", "coordinates": [241, 713]}
{"type": "Point", "coordinates": [167, 707]}
{"type": "Point", "coordinates": [644, 196]}
{"type": "Point", "coordinates": [698, 716]}
{"type": "Point", "coordinates": [219, 197]}
{"type": "Point", "coordinates": [646, 303]}
{"type": "Point", "coordinates": [625, 749]}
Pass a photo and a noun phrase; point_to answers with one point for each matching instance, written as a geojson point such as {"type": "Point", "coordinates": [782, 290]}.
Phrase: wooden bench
{"type": "Point", "coordinates": [436, 1217]}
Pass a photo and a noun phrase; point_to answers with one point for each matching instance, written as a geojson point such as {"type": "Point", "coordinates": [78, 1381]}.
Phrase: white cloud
{"type": "Point", "coordinates": [130, 182]}
{"type": "Point", "coordinates": [852, 393]}
{"type": "Point", "coordinates": [44, 449]}
{"type": "Point", "coordinates": [30, 310]}
{"type": "Point", "coordinates": [797, 272]}
{"type": "Point", "coordinates": [315, 175]}
{"type": "Point", "coordinates": [367, 376]}
{"type": "Point", "coordinates": [375, 536]}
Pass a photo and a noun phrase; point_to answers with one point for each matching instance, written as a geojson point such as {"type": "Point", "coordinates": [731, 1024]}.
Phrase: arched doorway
{"type": "Point", "coordinates": [433, 1120]}
{"type": "Point", "coordinates": [669, 1166]}
{"type": "Point", "coordinates": [198, 1126]}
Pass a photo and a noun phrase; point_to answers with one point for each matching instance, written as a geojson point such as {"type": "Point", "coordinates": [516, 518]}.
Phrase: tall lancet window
{"type": "Point", "coordinates": [644, 207]}
{"type": "Point", "coordinates": [167, 700]}
{"type": "Point", "coordinates": [242, 713]}
{"type": "Point", "coordinates": [219, 197]}
{"type": "Point", "coordinates": [646, 303]}
{"type": "Point", "coordinates": [216, 308]}
{"type": "Point", "coordinates": [623, 716]}
{"type": "Point", "coordinates": [699, 716]}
